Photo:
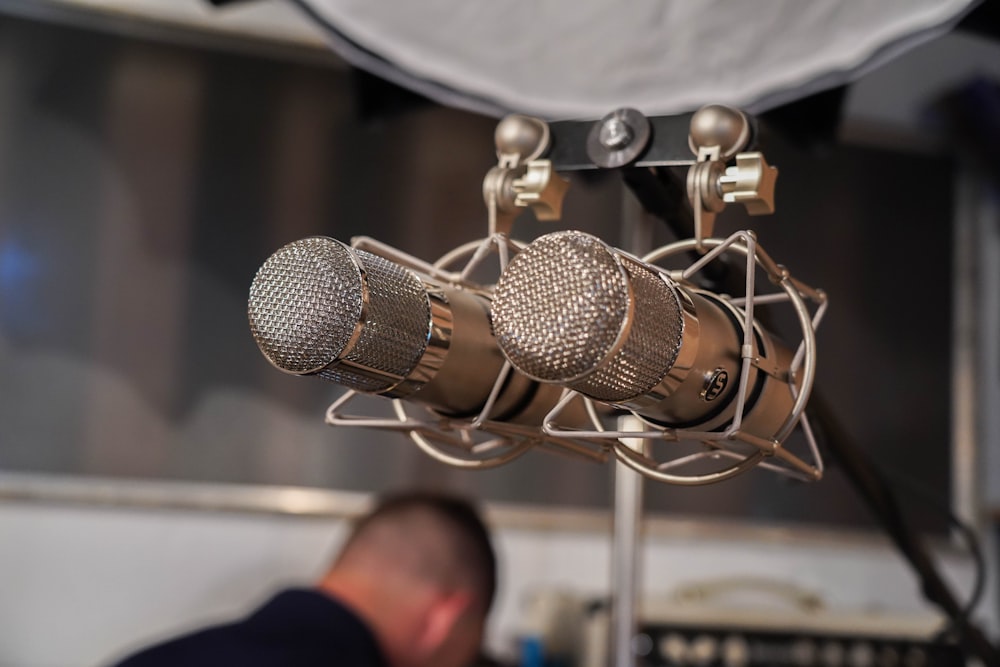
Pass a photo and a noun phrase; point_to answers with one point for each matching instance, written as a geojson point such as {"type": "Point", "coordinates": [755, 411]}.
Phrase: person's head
{"type": "Point", "coordinates": [421, 571]}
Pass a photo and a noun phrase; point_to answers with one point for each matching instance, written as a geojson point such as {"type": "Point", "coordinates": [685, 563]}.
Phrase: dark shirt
{"type": "Point", "coordinates": [296, 628]}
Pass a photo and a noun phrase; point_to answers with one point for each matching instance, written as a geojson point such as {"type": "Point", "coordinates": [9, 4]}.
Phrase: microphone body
{"type": "Point", "coordinates": [319, 307]}
{"type": "Point", "coordinates": [573, 311]}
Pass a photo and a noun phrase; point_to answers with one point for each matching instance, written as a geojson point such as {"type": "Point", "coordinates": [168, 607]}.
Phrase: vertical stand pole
{"type": "Point", "coordinates": [624, 555]}
{"type": "Point", "coordinates": [637, 231]}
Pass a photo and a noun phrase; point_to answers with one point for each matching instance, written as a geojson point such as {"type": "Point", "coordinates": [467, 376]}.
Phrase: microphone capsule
{"type": "Point", "coordinates": [319, 306]}
{"type": "Point", "coordinates": [571, 310]}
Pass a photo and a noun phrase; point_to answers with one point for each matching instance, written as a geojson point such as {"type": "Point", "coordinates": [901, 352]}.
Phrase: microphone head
{"type": "Point", "coordinates": [317, 302]}
{"type": "Point", "coordinates": [571, 310]}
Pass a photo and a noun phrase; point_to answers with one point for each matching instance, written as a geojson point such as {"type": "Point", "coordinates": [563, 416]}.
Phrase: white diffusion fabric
{"type": "Point", "coordinates": [582, 58]}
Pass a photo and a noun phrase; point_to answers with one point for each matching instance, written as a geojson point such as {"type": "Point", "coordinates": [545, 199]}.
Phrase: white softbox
{"type": "Point", "coordinates": [581, 58]}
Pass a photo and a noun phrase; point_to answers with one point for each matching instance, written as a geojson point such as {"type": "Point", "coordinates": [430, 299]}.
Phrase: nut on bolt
{"type": "Point", "coordinates": [618, 139]}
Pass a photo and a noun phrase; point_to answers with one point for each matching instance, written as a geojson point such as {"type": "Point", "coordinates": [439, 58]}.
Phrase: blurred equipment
{"type": "Point", "coordinates": [751, 622]}
{"type": "Point", "coordinates": [741, 622]}
{"type": "Point", "coordinates": [788, 639]}
{"type": "Point", "coordinates": [552, 629]}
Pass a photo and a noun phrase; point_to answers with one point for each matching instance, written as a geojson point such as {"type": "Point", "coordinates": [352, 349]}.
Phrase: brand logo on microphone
{"type": "Point", "coordinates": [715, 384]}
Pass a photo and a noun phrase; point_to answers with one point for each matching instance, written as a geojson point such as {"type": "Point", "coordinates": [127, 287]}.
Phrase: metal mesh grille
{"type": "Point", "coordinates": [305, 302]}
{"type": "Point", "coordinates": [397, 324]}
{"type": "Point", "coordinates": [563, 306]}
{"type": "Point", "coordinates": [559, 306]}
{"type": "Point", "coordinates": [651, 346]}
{"type": "Point", "coordinates": [308, 298]}
{"type": "Point", "coordinates": [352, 379]}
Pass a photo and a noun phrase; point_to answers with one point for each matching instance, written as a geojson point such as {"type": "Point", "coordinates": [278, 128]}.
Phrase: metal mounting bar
{"type": "Point", "coordinates": [668, 144]}
{"type": "Point", "coordinates": [667, 147]}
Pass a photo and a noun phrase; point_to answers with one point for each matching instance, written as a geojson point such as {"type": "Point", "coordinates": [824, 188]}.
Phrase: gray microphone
{"type": "Point", "coordinates": [572, 311]}
{"type": "Point", "coordinates": [320, 307]}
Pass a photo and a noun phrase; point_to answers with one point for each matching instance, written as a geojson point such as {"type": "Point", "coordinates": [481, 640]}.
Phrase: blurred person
{"type": "Point", "coordinates": [412, 587]}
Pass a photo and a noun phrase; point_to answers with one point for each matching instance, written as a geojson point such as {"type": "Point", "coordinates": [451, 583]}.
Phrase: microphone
{"type": "Point", "coordinates": [572, 311]}
{"type": "Point", "coordinates": [320, 307]}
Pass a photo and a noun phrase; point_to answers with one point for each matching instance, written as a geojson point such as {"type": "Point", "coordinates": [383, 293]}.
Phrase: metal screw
{"type": "Point", "coordinates": [615, 134]}
{"type": "Point", "coordinates": [618, 138]}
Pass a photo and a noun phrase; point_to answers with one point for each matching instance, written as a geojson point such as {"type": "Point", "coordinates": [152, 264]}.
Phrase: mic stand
{"type": "Point", "coordinates": [625, 553]}
{"type": "Point", "coordinates": [628, 489]}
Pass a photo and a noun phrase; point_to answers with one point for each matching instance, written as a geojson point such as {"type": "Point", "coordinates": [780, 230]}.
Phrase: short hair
{"type": "Point", "coordinates": [444, 536]}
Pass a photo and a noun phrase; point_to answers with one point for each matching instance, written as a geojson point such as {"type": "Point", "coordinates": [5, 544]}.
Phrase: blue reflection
{"type": "Point", "coordinates": [18, 269]}
{"type": "Point", "coordinates": [17, 265]}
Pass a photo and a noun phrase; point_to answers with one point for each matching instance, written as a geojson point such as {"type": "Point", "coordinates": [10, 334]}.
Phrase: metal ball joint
{"type": "Point", "coordinates": [721, 127]}
{"type": "Point", "coordinates": [522, 137]}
